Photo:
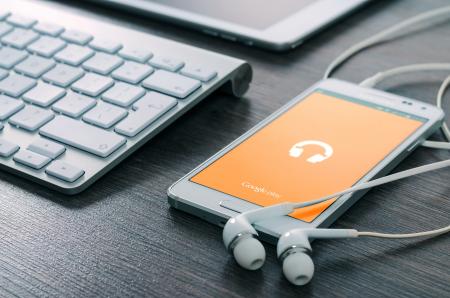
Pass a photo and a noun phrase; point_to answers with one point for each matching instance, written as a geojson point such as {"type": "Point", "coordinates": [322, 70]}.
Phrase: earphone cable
{"type": "Point", "coordinates": [444, 13]}
{"type": "Point", "coordinates": [404, 236]}
{"type": "Point", "coordinates": [445, 129]}
{"type": "Point", "coordinates": [379, 181]}
{"type": "Point", "coordinates": [439, 103]}
{"type": "Point", "coordinates": [379, 77]}
{"type": "Point", "coordinates": [385, 34]}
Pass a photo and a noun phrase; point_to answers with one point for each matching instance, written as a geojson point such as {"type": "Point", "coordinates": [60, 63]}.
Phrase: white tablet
{"type": "Point", "coordinates": [276, 25]}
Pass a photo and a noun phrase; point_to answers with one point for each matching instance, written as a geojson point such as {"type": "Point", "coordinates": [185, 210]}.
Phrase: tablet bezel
{"type": "Point", "coordinates": [285, 34]}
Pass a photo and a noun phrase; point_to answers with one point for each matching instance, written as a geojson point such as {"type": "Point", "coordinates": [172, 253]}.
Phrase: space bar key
{"type": "Point", "coordinates": [82, 136]}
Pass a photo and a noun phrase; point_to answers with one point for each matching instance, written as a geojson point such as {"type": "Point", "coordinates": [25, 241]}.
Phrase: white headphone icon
{"type": "Point", "coordinates": [298, 149]}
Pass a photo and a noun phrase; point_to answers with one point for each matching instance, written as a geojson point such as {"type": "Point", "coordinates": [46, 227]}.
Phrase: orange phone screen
{"type": "Point", "coordinates": [324, 144]}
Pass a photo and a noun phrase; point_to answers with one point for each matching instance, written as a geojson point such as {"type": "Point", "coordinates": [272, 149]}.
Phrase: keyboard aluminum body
{"type": "Point", "coordinates": [84, 158]}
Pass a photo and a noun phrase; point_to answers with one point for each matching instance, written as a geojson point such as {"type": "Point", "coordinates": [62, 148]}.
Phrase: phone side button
{"type": "Point", "coordinates": [210, 32]}
{"type": "Point", "coordinates": [237, 206]}
{"type": "Point", "coordinates": [414, 146]}
{"type": "Point", "coordinates": [228, 37]}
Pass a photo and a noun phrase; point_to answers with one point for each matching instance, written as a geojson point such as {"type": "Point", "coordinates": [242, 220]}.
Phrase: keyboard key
{"type": "Point", "coordinates": [166, 63]}
{"type": "Point", "coordinates": [46, 46]}
{"type": "Point", "coordinates": [77, 37]}
{"type": "Point", "coordinates": [171, 83]}
{"type": "Point", "coordinates": [21, 21]}
{"type": "Point", "coordinates": [92, 84]}
{"type": "Point", "coordinates": [64, 171]}
{"type": "Point", "coordinates": [31, 118]}
{"type": "Point", "coordinates": [9, 106]}
{"type": "Point", "coordinates": [74, 55]}
{"type": "Point", "coordinates": [200, 73]}
{"type": "Point", "coordinates": [5, 28]}
{"type": "Point", "coordinates": [34, 66]}
{"type": "Point", "coordinates": [16, 85]}
{"type": "Point", "coordinates": [63, 75]}
{"type": "Point", "coordinates": [155, 100]}
{"type": "Point", "coordinates": [149, 108]}
{"type": "Point", "coordinates": [44, 94]}
{"type": "Point", "coordinates": [123, 94]}
{"type": "Point", "coordinates": [74, 105]}
{"type": "Point", "coordinates": [7, 148]}
{"type": "Point", "coordinates": [20, 38]}
{"type": "Point", "coordinates": [138, 55]}
{"type": "Point", "coordinates": [49, 29]}
{"type": "Point", "coordinates": [47, 148]}
{"type": "Point", "coordinates": [107, 46]}
{"type": "Point", "coordinates": [31, 159]}
{"type": "Point", "coordinates": [3, 74]}
{"type": "Point", "coordinates": [83, 136]}
{"type": "Point", "coordinates": [10, 57]}
{"type": "Point", "coordinates": [105, 115]}
{"type": "Point", "coordinates": [102, 63]}
{"type": "Point", "coordinates": [4, 15]}
{"type": "Point", "coordinates": [132, 72]}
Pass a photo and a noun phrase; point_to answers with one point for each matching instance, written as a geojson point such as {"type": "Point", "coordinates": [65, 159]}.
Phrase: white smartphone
{"type": "Point", "coordinates": [329, 138]}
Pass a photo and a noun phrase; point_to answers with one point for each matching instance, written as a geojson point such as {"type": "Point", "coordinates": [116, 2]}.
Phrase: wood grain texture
{"type": "Point", "coordinates": [120, 238]}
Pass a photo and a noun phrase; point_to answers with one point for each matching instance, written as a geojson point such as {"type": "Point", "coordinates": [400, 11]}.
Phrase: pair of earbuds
{"type": "Point", "coordinates": [293, 248]}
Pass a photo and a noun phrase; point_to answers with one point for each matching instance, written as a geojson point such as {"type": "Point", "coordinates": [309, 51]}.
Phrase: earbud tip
{"type": "Point", "coordinates": [249, 253]}
{"type": "Point", "coordinates": [298, 268]}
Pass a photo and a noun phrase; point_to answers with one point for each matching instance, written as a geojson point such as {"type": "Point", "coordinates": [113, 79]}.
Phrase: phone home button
{"type": "Point", "coordinates": [237, 206]}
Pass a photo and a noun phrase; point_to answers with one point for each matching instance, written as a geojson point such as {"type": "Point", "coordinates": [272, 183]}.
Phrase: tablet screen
{"type": "Point", "coordinates": [255, 14]}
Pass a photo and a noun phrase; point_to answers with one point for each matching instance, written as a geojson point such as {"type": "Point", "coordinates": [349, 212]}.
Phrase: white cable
{"type": "Point", "coordinates": [385, 34]}
{"type": "Point", "coordinates": [379, 181]}
{"type": "Point", "coordinates": [439, 100]}
{"type": "Point", "coordinates": [436, 145]}
{"type": "Point", "coordinates": [384, 180]}
{"type": "Point", "coordinates": [389, 33]}
{"type": "Point", "coordinates": [370, 82]}
{"type": "Point", "coordinates": [445, 129]}
{"type": "Point", "coordinates": [377, 78]}
{"type": "Point", "coordinates": [410, 235]}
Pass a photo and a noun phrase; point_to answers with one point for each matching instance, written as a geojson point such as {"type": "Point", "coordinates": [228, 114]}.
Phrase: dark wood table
{"type": "Point", "coordinates": [120, 238]}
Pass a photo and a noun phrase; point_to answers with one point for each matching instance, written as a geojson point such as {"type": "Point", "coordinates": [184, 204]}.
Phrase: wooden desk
{"type": "Point", "coordinates": [120, 238]}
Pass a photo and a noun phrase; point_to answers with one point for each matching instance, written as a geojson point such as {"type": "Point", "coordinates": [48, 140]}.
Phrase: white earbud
{"type": "Point", "coordinates": [239, 236]}
{"type": "Point", "coordinates": [294, 250]}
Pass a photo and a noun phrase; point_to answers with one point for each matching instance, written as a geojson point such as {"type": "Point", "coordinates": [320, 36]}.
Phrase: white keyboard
{"type": "Point", "coordinates": [77, 96]}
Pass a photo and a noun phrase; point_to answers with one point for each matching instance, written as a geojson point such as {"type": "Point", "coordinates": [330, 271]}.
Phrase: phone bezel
{"type": "Point", "coordinates": [206, 202]}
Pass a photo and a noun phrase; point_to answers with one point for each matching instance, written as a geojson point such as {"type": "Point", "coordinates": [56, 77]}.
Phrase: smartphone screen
{"type": "Point", "coordinates": [324, 144]}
